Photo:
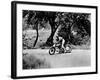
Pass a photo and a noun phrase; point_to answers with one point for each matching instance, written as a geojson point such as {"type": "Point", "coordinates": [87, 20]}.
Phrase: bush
{"type": "Point", "coordinates": [32, 62]}
{"type": "Point", "coordinates": [29, 37]}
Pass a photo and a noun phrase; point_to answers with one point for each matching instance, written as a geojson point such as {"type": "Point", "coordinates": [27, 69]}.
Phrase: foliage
{"type": "Point", "coordinates": [29, 37]}
{"type": "Point", "coordinates": [77, 22]}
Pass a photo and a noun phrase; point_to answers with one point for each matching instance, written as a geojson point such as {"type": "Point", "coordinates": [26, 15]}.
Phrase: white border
{"type": "Point", "coordinates": [21, 72]}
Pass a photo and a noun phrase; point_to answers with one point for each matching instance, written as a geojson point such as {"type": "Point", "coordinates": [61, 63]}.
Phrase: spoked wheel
{"type": "Point", "coordinates": [68, 49]}
{"type": "Point", "coordinates": [52, 51]}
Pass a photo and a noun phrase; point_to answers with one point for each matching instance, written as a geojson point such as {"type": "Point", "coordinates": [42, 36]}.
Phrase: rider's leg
{"type": "Point", "coordinates": [63, 42]}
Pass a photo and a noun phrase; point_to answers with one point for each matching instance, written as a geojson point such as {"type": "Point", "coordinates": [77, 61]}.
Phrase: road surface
{"type": "Point", "coordinates": [76, 58]}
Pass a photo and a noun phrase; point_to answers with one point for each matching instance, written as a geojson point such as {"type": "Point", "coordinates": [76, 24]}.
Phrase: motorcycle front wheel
{"type": "Point", "coordinates": [52, 51]}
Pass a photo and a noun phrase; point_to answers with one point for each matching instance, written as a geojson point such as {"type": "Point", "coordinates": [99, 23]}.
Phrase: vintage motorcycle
{"type": "Point", "coordinates": [56, 48]}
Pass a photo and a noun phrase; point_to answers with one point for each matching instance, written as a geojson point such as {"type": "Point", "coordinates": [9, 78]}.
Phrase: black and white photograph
{"type": "Point", "coordinates": [56, 39]}
{"type": "Point", "coordinates": [53, 39]}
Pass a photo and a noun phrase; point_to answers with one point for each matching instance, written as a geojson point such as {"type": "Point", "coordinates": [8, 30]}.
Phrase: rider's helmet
{"type": "Point", "coordinates": [57, 38]}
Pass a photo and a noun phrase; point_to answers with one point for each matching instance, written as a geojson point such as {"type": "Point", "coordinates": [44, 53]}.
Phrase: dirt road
{"type": "Point", "coordinates": [76, 58]}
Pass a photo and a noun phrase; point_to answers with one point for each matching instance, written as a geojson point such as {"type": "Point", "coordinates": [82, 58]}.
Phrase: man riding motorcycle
{"type": "Point", "coordinates": [59, 46]}
{"type": "Point", "coordinates": [60, 41]}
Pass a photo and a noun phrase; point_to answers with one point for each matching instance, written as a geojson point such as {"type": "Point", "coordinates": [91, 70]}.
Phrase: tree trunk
{"type": "Point", "coordinates": [37, 34]}
{"type": "Point", "coordinates": [49, 41]}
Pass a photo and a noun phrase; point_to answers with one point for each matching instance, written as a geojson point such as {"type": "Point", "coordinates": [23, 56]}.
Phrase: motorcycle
{"type": "Point", "coordinates": [56, 48]}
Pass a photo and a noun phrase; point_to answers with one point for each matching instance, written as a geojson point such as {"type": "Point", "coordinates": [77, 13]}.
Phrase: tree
{"type": "Point", "coordinates": [66, 20]}
{"type": "Point", "coordinates": [35, 17]}
{"type": "Point", "coordinates": [69, 21]}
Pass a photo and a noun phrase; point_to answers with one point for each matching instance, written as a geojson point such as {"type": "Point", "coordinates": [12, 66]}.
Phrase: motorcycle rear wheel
{"type": "Point", "coordinates": [68, 49]}
{"type": "Point", "coordinates": [52, 51]}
